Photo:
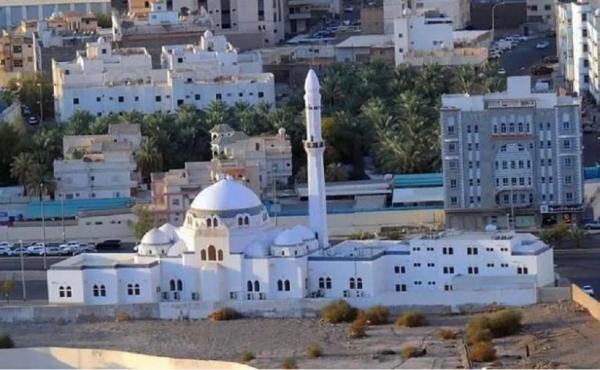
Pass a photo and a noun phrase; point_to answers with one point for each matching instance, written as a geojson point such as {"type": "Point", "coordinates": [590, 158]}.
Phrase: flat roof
{"type": "Point", "coordinates": [417, 180]}
{"type": "Point", "coordinates": [367, 41]}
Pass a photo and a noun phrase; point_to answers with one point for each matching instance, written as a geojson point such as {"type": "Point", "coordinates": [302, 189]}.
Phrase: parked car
{"type": "Point", "coordinates": [70, 247]}
{"type": "Point", "coordinates": [109, 245]}
{"type": "Point", "coordinates": [32, 120]}
{"type": "Point", "coordinates": [588, 289]}
{"type": "Point", "coordinates": [86, 248]}
{"type": "Point", "coordinates": [52, 251]}
{"type": "Point", "coordinates": [540, 70]}
{"type": "Point", "coordinates": [35, 250]}
{"type": "Point", "coordinates": [501, 71]}
{"type": "Point", "coordinates": [594, 225]}
{"type": "Point", "coordinates": [550, 59]}
{"type": "Point", "coordinates": [4, 250]}
{"type": "Point", "coordinates": [542, 45]}
{"type": "Point", "coordinates": [18, 251]}
{"type": "Point", "coordinates": [6, 245]}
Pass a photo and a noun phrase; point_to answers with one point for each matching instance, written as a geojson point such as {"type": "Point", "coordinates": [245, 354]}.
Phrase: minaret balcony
{"type": "Point", "coordinates": [313, 144]}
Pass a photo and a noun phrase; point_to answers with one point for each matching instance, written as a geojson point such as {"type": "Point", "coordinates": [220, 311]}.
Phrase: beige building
{"type": "Point", "coordinates": [261, 161]}
{"type": "Point", "coordinates": [99, 166]}
{"type": "Point", "coordinates": [16, 54]}
{"type": "Point", "coordinates": [371, 19]}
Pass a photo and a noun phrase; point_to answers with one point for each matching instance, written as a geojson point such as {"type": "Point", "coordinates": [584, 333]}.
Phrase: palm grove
{"type": "Point", "coordinates": [372, 113]}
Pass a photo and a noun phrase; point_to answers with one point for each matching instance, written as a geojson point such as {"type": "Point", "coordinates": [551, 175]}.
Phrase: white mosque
{"type": "Point", "coordinates": [229, 250]}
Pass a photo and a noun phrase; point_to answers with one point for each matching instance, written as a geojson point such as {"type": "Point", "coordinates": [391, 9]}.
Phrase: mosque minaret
{"type": "Point", "coordinates": [315, 147]}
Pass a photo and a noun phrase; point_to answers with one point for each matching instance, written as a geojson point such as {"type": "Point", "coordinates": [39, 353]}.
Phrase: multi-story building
{"type": "Point", "coordinates": [16, 53]}
{"type": "Point", "coordinates": [104, 80]}
{"type": "Point", "coordinates": [98, 166]}
{"type": "Point", "coordinates": [261, 20]}
{"type": "Point", "coordinates": [512, 153]}
{"type": "Point", "coordinates": [303, 14]}
{"type": "Point", "coordinates": [12, 12]}
{"type": "Point", "coordinates": [183, 7]}
{"type": "Point", "coordinates": [457, 10]}
{"type": "Point", "coordinates": [574, 41]}
{"type": "Point", "coordinates": [371, 19]}
{"type": "Point", "coordinates": [428, 38]}
{"type": "Point", "coordinates": [541, 13]}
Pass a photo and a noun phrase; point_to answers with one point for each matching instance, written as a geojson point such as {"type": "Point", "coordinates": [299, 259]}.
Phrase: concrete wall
{"type": "Point", "coordinates": [586, 301]}
{"type": "Point", "coordinates": [79, 358]}
{"type": "Point", "coordinates": [554, 294]}
{"type": "Point", "coordinates": [73, 313]}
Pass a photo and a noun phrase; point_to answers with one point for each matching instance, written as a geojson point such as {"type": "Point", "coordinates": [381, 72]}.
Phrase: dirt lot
{"type": "Point", "coordinates": [558, 335]}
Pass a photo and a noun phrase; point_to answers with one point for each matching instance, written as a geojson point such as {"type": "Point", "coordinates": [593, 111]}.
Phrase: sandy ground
{"type": "Point", "coordinates": [559, 335]}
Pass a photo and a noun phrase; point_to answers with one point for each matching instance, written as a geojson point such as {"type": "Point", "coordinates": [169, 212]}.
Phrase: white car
{"type": "Point", "coordinates": [6, 245]}
{"type": "Point", "coordinates": [36, 248]}
{"type": "Point", "coordinates": [588, 289]}
{"type": "Point", "coordinates": [542, 45]}
{"type": "Point", "coordinates": [70, 247]}
{"type": "Point", "coordinates": [52, 251]}
{"type": "Point", "coordinates": [501, 71]}
{"type": "Point", "coordinates": [4, 250]}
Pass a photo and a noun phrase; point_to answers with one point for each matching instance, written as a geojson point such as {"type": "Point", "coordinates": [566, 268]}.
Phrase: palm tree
{"type": "Point", "coordinates": [21, 169]}
{"type": "Point", "coordinates": [148, 158]}
{"type": "Point", "coordinates": [332, 91]}
{"type": "Point", "coordinates": [216, 114]}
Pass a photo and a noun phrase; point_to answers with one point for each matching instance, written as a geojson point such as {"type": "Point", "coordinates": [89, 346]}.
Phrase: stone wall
{"type": "Point", "coordinates": [70, 313]}
{"type": "Point", "coordinates": [554, 294]}
{"type": "Point", "coordinates": [586, 301]}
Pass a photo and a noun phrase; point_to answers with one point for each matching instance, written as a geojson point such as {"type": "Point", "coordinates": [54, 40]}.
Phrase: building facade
{"type": "Point", "coordinates": [229, 250]}
{"type": "Point", "coordinates": [107, 80]}
{"type": "Point", "coordinates": [542, 13]}
{"type": "Point", "coordinates": [17, 53]}
{"type": "Point", "coordinates": [457, 10]}
{"type": "Point", "coordinates": [99, 166]}
{"type": "Point", "coordinates": [12, 12]}
{"type": "Point", "coordinates": [513, 153]}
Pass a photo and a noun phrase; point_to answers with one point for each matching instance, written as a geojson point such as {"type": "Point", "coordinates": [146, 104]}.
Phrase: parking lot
{"type": "Point", "coordinates": [519, 60]}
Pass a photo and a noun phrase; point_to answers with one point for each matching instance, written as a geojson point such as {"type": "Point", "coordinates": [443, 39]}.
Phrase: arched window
{"type": "Point", "coordinates": [179, 285]}
{"type": "Point", "coordinates": [246, 220]}
{"type": "Point", "coordinates": [257, 146]}
{"type": "Point", "coordinates": [96, 291]}
{"type": "Point", "coordinates": [136, 289]}
{"type": "Point", "coordinates": [220, 255]}
{"type": "Point", "coordinates": [212, 253]}
{"type": "Point", "coordinates": [129, 289]}
{"type": "Point", "coordinates": [172, 285]}
{"type": "Point", "coordinates": [352, 283]}
{"type": "Point", "coordinates": [503, 127]}
{"type": "Point", "coordinates": [102, 291]}
{"type": "Point", "coordinates": [520, 126]}
{"type": "Point", "coordinates": [215, 222]}
{"type": "Point", "coordinates": [249, 286]}
{"type": "Point", "coordinates": [256, 286]}
{"type": "Point", "coordinates": [203, 255]}
{"type": "Point", "coordinates": [208, 222]}
{"type": "Point", "coordinates": [240, 221]}
{"type": "Point", "coordinates": [279, 285]}
{"type": "Point", "coordinates": [287, 285]}
{"type": "Point", "coordinates": [511, 127]}
{"type": "Point", "coordinates": [68, 292]}
{"type": "Point", "coordinates": [359, 283]}
{"type": "Point", "coordinates": [321, 283]}
{"type": "Point", "coordinates": [61, 292]}
{"type": "Point", "coordinates": [328, 283]}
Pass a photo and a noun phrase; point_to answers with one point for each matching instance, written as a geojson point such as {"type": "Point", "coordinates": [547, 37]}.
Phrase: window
{"type": "Point", "coordinates": [61, 292]}
{"type": "Point", "coordinates": [448, 250]}
{"type": "Point", "coordinates": [249, 286]}
{"type": "Point", "coordinates": [567, 144]}
{"type": "Point", "coordinates": [280, 284]}
{"type": "Point", "coordinates": [68, 292]}
{"type": "Point", "coordinates": [569, 196]}
{"type": "Point", "coordinates": [203, 255]}
{"type": "Point", "coordinates": [568, 180]}
{"type": "Point", "coordinates": [472, 251]}
{"type": "Point", "coordinates": [197, 96]}
{"type": "Point", "coordinates": [212, 253]}
{"type": "Point", "coordinates": [179, 285]}
{"type": "Point", "coordinates": [490, 265]}
{"type": "Point", "coordinates": [417, 264]}
{"type": "Point", "coordinates": [568, 162]}
{"type": "Point", "coordinates": [136, 289]}
{"type": "Point", "coordinates": [473, 270]}
{"type": "Point", "coordinates": [157, 98]}
{"type": "Point", "coordinates": [171, 285]}
{"type": "Point", "coordinates": [452, 184]}
{"type": "Point", "coordinates": [566, 125]}
{"type": "Point", "coordinates": [75, 101]}
{"type": "Point", "coordinates": [328, 283]}
{"type": "Point", "coordinates": [321, 283]}
{"type": "Point", "coordinates": [219, 96]}
{"type": "Point", "coordinates": [256, 286]}
{"type": "Point", "coordinates": [220, 255]}
{"type": "Point", "coordinates": [401, 287]}
{"type": "Point", "coordinates": [287, 285]}
{"type": "Point", "coordinates": [121, 99]}
{"type": "Point", "coordinates": [261, 94]}
{"type": "Point", "coordinates": [352, 283]}
{"type": "Point", "coordinates": [359, 283]}
{"type": "Point", "coordinates": [453, 200]}
{"type": "Point", "coordinates": [96, 291]}
{"type": "Point", "coordinates": [246, 220]}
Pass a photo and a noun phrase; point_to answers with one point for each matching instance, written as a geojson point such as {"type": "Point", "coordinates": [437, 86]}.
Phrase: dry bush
{"type": "Point", "coordinates": [224, 314]}
{"type": "Point", "coordinates": [6, 341]}
{"type": "Point", "coordinates": [446, 334]}
{"type": "Point", "coordinates": [358, 329]}
{"type": "Point", "coordinates": [314, 350]}
{"type": "Point", "coordinates": [506, 322]}
{"type": "Point", "coordinates": [482, 352]}
{"type": "Point", "coordinates": [122, 316]}
{"type": "Point", "coordinates": [247, 357]}
{"type": "Point", "coordinates": [378, 315]}
{"type": "Point", "coordinates": [478, 330]}
{"type": "Point", "coordinates": [410, 352]}
{"type": "Point", "coordinates": [411, 319]}
{"type": "Point", "coordinates": [338, 311]}
{"type": "Point", "coordinates": [289, 363]}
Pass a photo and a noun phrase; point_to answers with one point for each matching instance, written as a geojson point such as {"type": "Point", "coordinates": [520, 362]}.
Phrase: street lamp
{"type": "Point", "coordinates": [43, 224]}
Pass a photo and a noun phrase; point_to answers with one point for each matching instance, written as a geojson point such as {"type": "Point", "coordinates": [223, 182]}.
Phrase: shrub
{"type": "Point", "coordinates": [314, 350]}
{"type": "Point", "coordinates": [363, 235]}
{"type": "Point", "coordinates": [482, 352]}
{"type": "Point", "coordinates": [358, 329]}
{"type": "Point", "coordinates": [289, 363]}
{"type": "Point", "coordinates": [411, 319]}
{"type": "Point", "coordinates": [378, 315]}
{"type": "Point", "coordinates": [446, 334]}
{"type": "Point", "coordinates": [338, 311]}
{"type": "Point", "coordinates": [6, 341]}
{"type": "Point", "coordinates": [247, 357]}
{"type": "Point", "coordinates": [505, 322]}
{"type": "Point", "coordinates": [410, 352]}
{"type": "Point", "coordinates": [122, 316]}
{"type": "Point", "coordinates": [224, 314]}
{"type": "Point", "coordinates": [478, 330]}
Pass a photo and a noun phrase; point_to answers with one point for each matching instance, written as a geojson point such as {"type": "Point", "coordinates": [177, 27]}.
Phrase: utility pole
{"type": "Point", "coordinates": [43, 224]}
{"type": "Point", "coordinates": [23, 271]}
{"type": "Point", "coordinates": [41, 101]}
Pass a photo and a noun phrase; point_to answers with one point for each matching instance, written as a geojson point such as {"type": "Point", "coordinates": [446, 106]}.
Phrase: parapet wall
{"type": "Point", "coordinates": [586, 301]}
{"type": "Point", "coordinates": [79, 358]}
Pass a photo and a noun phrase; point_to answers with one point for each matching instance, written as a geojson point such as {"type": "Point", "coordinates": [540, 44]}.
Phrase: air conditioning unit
{"type": "Point", "coordinates": [165, 296]}
{"type": "Point", "coordinates": [195, 296]}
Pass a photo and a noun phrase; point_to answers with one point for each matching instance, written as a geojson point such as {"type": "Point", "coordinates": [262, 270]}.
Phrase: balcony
{"type": "Point", "coordinates": [297, 16]}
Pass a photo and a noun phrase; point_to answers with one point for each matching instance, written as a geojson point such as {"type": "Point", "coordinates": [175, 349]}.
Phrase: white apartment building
{"type": "Point", "coordinates": [574, 35]}
{"type": "Point", "coordinates": [428, 38]}
{"type": "Point", "coordinates": [261, 18]}
{"type": "Point", "coordinates": [12, 12]}
{"type": "Point", "coordinates": [459, 11]}
{"type": "Point", "coordinates": [104, 80]}
{"type": "Point", "coordinates": [98, 166]}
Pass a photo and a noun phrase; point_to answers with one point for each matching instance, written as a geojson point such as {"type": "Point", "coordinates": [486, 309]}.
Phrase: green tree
{"type": "Point", "coordinates": [104, 20]}
{"type": "Point", "coordinates": [149, 159]}
{"type": "Point", "coordinates": [21, 169]}
{"type": "Point", "coordinates": [28, 89]}
{"type": "Point", "coordinates": [10, 146]}
{"type": "Point", "coordinates": [336, 172]}
{"type": "Point", "coordinates": [80, 123]}
{"type": "Point", "coordinates": [144, 222]}
{"type": "Point", "coordinates": [217, 113]}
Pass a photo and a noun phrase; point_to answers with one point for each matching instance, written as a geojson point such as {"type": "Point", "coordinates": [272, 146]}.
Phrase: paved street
{"type": "Point", "coordinates": [517, 61]}
{"type": "Point", "coordinates": [580, 266]}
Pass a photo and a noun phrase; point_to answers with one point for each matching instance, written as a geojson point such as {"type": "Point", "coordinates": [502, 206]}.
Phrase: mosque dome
{"type": "Point", "coordinates": [256, 249]}
{"type": "Point", "coordinates": [170, 231]}
{"type": "Point", "coordinates": [289, 237]}
{"type": "Point", "coordinates": [208, 34]}
{"type": "Point", "coordinates": [155, 237]}
{"type": "Point", "coordinates": [177, 249]}
{"type": "Point", "coordinates": [226, 195]}
{"type": "Point", "coordinates": [304, 232]}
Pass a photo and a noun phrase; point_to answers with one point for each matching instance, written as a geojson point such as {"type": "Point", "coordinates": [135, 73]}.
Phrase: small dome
{"type": "Point", "coordinates": [101, 40]}
{"type": "Point", "coordinates": [256, 249]}
{"type": "Point", "coordinates": [177, 249]}
{"type": "Point", "coordinates": [281, 131]}
{"type": "Point", "coordinates": [288, 238]}
{"type": "Point", "coordinates": [170, 230]}
{"type": "Point", "coordinates": [155, 237]}
{"type": "Point", "coordinates": [304, 232]}
{"type": "Point", "coordinates": [208, 34]}
{"type": "Point", "coordinates": [226, 195]}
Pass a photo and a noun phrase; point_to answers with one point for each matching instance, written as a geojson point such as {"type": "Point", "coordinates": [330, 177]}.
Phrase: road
{"type": "Point", "coordinates": [517, 61]}
{"type": "Point", "coordinates": [580, 266]}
